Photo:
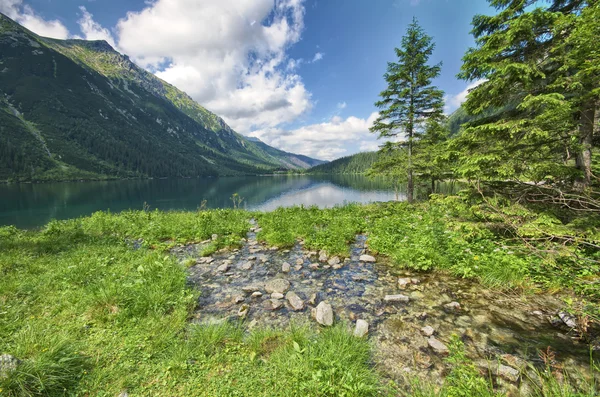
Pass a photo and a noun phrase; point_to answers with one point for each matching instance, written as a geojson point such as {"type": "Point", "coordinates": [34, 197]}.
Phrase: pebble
{"type": "Point", "coordinates": [452, 306]}
{"type": "Point", "coordinates": [277, 285]}
{"type": "Point", "coordinates": [250, 289]}
{"type": "Point", "coordinates": [299, 261]}
{"type": "Point", "coordinates": [298, 267]}
{"type": "Point", "coordinates": [334, 260]}
{"type": "Point", "coordinates": [404, 282]}
{"type": "Point", "coordinates": [277, 295]}
{"type": "Point", "coordinates": [314, 266]}
{"type": "Point", "coordinates": [285, 267]}
{"type": "Point", "coordinates": [295, 301]}
{"type": "Point", "coordinates": [567, 319]}
{"type": "Point", "coordinates": [367, 258]}
{"type": "Point", "coordinates": [361, 329]}
{"type": "Point", "coordinates": [257, 294]}
{"type": "Point", "coordinates": [396, 298]}
{"type": "Point", "coordinates": [223, 268]}
{"type": "Point", "coordinates": [428, 330]}
{"type": "Point", "coordinates": [437, 346]}
{"type": "Point", "coordinates": [246, 266]}
{"type": "Point", "coordinates": [238, 299]}
{"type": "Point", "coordinates": [508, 373]}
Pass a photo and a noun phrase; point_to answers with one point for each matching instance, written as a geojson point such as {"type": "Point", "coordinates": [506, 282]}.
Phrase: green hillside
{"type": "Point", "coordinates": [77, 109]}
{"type": "Point", "coordinates": [358, 163]}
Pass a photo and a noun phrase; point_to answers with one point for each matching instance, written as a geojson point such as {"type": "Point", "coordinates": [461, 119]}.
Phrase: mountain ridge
{"type": "Point", "coordinates": [78, 109]}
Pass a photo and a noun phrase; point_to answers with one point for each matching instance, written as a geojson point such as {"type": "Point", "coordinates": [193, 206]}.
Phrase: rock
{"type": "Point", "coordinates": [361, 329]}
{"type": "Point", "coordinates": [257, 294]}
{"type": "Point", "coordinates": [277, 285]}
{"type": "Point", "coordinates": [295, 301]}
{"type": "Point", "coordinates": [214, 237]}
{"type": "Point", "coordinates": [298, 268]}
{"type": "Point", "coordinates": [396, 298]}
{"type": "Point", "coordinates": [452, 307]}
{"type": "Point", "coordinates": [508, 373]}
{"type": "Point", "coordinates": [238, 299]}
{"type": "Point", "coordinates": [336, 267]}
{"type": "Point", "coordinates": [324, 314]}
{"type": "Point", "coordinates": [252, 258]}
{"type": "Point", "coordinates": [223, 268]}
{"type": "Point", "coordinates": [243, 311]}
{"type": "Point", "coordinates": [403, 283]}
{"type": "Point", "coordinates": [334, 260]}
{"type": "Point", "coordinates": [415, 281]}
{"type": "Point", "coordinates": [322, 256]}
{"type": "Point", "coordinates": [276, 295]}
{"type": "Point", "coordinates": [8, 364]}
{"type": "Point", "coordinates": [567, 319]}
{"type": "Point", "coordinates": [313, 299]}
{"type": "Point", "coordinates": [428, 330]}
{"type": "Point", "coordinates": [250, 289]}
{"type": "Point", "coordinates": [274, 248]}
{"type": "Point", "coordinates": [314, 266]}
{"type": "Point", "coordinates": [437, 346]}
{"type": "Point", "coordinates": [232, 257]}
{"type": "Point", "coordinates": [286, 267]}
{"type": "Point", "coordinates": [246, 266]}
{"type": "Point", "coordinates": [513, 361]}
{"type": "Point", "coordinates": [273, 304]}
{"type": "Point", "coordinates": [299, 261]}
{"type": "Point", "coordinates": [367, 258]}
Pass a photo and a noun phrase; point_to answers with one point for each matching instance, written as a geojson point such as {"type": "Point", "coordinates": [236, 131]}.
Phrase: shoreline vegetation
{"type": "Point", "coordinates": [98, 306]}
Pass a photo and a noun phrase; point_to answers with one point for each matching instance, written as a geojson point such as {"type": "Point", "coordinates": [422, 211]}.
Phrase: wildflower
{"type": "Point", "coordinates": [476, 258]}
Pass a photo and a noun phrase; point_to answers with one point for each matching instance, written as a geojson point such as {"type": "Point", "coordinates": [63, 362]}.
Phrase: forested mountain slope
{"type": "Point", "coordinates": [356, 164]}
{"type": "Point", "coordinates": [78, 109]}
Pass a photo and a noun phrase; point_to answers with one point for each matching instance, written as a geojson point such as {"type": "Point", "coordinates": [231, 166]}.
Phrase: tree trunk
{"type": "Point", "coordinates": [410, 186]}
{"type": "Point", "coordinates": [432, 185]}
{"type": "Point", "coordinates": [586, 133]}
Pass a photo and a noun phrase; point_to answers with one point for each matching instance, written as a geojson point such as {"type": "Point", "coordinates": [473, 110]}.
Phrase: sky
{"type": "Point", "coordinates": [301, 75]}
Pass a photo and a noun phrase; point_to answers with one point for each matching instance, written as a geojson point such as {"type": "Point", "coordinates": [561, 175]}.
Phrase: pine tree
{"type": "Point", "coordinates": [410, 99]}
{"type": "Point", "coordinates": [539, 95]}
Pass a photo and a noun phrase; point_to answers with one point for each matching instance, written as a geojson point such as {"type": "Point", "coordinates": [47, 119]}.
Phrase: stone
{"type": "Point", "coordinates": [403, 283]}
{"type": "Point", "coordinates": [567, 319]}
{"type": "Point", "coordinates": [452, 307]}
{"type": "Point", "coordinates": [8, 364]}
{"type": "Point", "coordinates": [296, 303]}
{"type": "Point", "coordinates": [238, 298]}
{"type": "Point", "coordinates": [336, 267]}
{"type": "Point", "coordinates": [243, 311]}
{"type": "Point", "coordinates": [334, 260]}
{"type": "Point", "coordinates": [314, 266]}
{"type": "Point", "coordinates": [246, 266]}
{"type": "Point", "coordinates": [252, 258]}
{"type": "Point", "coordinates": [437, 346]}
{"type": "Point", "coordinates": [508, 373]}
{"type": "Point", "coordinates": [223, 268]}
{"type": "Point", "coordinates": [298, 268]}
{"type": "Point", "coordinates": [286, 267]}
{"type": "Point", "coordinates": [367, 258]}
{"type": "Point", "coordinates": [250, 289]}
{"type": "Point", "coordinates": [299, 261]}
{"type": "Point", "coordinates": [322, 256]}
{"type": "Point", "coordinates": [415, 281]}
{"type": "Point", "coordinates": [277, 285]}
{"type": "Point", "coordinates": [256, 294]}
{"type": "Point", "coordinates": [274, 248]}
{"type": "Point", "coordinates": [232, 257]}
{"type": "Point", "coordinates": [361, 329]}
{"type": "Point", "coordinates": [277, 295]}
{"type": "Point", "coordinates": [273, 304]}
{"type": "Point", "coordinates": [324, 314]}
{"type": "Point", "coordinates": [214, 237]}
{"type": "Point", "coordinates": [427, 330]}
{"type": "Point", "coordinates": [313, 299]}
{"type": "Point", "coordinates": [396, 298]}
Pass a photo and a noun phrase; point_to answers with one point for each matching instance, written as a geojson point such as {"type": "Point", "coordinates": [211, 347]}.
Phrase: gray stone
{"type": "Point", "coordinates": [8, 364]}
{"type": "Point", "coordinates": [250, 289]}
{"type": "Point", "coordinates": [243, 311]}
{"type": "Point", "coordinates": [285, 267]}
{"type": "Point", "coordinates": [427, 330]}
{"type": "Point", "coordinates": [508, 373]}
{"type": "Point", "coordinates": [246, 266]}
{"type": "Point", "coordinates": [415, 281]}
{"type": "Point", "coordinates": [452, 307]}
{"type": "Point", "coordinates": [403, 283]}
{"type": "Point", "coordinates": [214, 237]}
{"type": "Point", "coordinates": [277, 295]}
{"type": "Point", "coordinates": [238, 299]}
{"type": "Point", "coordinates": [296, 303]}
{"type": "Point", "coordinates": [273, 304]}
{"type": "Point", "coordinates": [367, 258]}
{"type": "Point", "coordinates": [568, 320]}
{"type": "Point", "coordinates": [299, 261]}
{"type": "Point", "coordinates": [361, 329]}
{"type": "Point", "coordinates": [257, 294]}
{"type": "Point", "coordinates": [396, 298]}
{"type": "Point", "coordinates": [277, 285]}
{"type": "Point", "coordinates": [322, 256]}
{"type": "Point", "coordinates": [313, 299]}
{"type": "Point", "coordinates": [437, 346]}
{"type": "Point", "coordinates": [223, 268]}
{"type": "Point", "coordinates": [298, 267]}
{"type": "Point", "coordinates": [324, 314]}
{"type": "Point", "coordinates": [334, 260]}
{"type": "Point", "coordinates": [314, 266]}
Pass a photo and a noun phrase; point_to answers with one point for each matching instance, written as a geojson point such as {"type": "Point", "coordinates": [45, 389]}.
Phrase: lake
{"type": "Point", "coordinates": [33, 205]}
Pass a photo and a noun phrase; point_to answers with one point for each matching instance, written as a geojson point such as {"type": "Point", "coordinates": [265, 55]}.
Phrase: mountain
{"type": "Point", "coordinates": [358, 163]}
{"type": "Point", "coordinates": [77, 109]}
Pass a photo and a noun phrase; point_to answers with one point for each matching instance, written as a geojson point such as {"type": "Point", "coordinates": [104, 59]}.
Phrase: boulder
{"type": "Point", "coordinates": [277, 285]}
{"type": "Point", "coordinates": [324, 314]}
{"type": "Point", "coordinates": [296, 303]}
{"type": "Point", "coordinates": [361, 329]}
{"type": "Point", "coordinates": [367, 258]}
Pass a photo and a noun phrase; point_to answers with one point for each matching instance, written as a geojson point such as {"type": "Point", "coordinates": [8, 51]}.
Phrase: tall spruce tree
{"type": "Point", "coordinates": [539, 93]}
{"type": "Point", "coordinates": [410, 99]}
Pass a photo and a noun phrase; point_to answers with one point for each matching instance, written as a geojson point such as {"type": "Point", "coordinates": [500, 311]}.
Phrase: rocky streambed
{"type": "Point", "coordinates": [409, 317]}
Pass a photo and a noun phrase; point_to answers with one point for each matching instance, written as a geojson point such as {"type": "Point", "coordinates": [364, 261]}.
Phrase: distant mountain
{"type": "Point", "coordinates": [358, 163]}
{"type": "Point", "coordinates": [79, 109]}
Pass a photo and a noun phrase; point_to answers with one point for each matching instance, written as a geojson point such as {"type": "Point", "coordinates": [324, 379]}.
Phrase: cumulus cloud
{"type": "Point", "coordinates": [229, 55]}
{"type": "Point", "coordinates": [318, 56]}
{"type": "Point", "coordinates": [453, 102]}
{"type": "Point", "coordinates": [92, 30]}
{"type": "Point", "coordinates": [26, 16]}
{"type": "Point", "coordinates": [329, 140]}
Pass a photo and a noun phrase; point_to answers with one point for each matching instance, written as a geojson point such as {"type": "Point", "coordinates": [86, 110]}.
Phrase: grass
{"type": "Point", "coordinates": [96, 306]}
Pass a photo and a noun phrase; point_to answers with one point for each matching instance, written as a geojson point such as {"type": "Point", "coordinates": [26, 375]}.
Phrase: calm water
{"type": "Point", "coordinates": [33, 205]}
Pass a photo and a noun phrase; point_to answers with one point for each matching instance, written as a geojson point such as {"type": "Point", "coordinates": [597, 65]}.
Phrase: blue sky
{"type": "Point", "coordinates": [302, 75]}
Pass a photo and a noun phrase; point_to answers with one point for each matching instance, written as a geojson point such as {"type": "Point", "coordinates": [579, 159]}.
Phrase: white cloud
{"type": "Point", "coordinates": [328, 140]}
{"type": "Point", "coordinates": [342, 105]}
{"type": "Point", "coordinates": [92, 30]}
{"type": "Point", "coordinates": [229, 55]}
{"type": "Point", "coordinates": [453, 102]}
{"type": "Point", "coordinates": [27, 17]}
{"type": "Point", "coordinates": [369, 146]}
{"type": "Point", "coordinates": [318, 56]}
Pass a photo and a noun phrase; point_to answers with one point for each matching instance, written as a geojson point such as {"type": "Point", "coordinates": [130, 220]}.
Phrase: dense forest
{"type": "Point", "coordinates": [356, 164]}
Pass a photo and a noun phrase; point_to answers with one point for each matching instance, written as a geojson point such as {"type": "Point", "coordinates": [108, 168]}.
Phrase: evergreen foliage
{"type": "Point", "coordinates": [358, 163]}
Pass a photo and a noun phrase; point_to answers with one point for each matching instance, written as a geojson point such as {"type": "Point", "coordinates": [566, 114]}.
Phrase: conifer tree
{"type": "Point", "coordinates": [410, 99]}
